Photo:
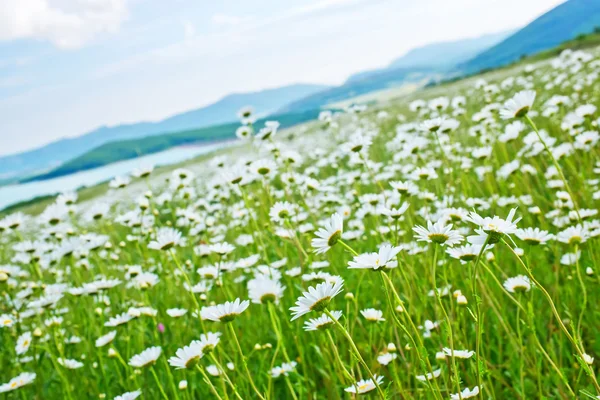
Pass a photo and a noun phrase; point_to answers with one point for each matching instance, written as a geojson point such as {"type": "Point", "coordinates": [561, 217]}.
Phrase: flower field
{"type": "Point", "coordinates": [442, 246]}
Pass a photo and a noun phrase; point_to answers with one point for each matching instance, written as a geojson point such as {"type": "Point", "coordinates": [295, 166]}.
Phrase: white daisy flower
{"type": "Point", "coordinates": [146, 357]}
{"type": "Point", "coordinates": [365, 385]}
{"type": "Point", "coordinates": [18, 381]}
{"type": "Point", "coordinates": [187, 356]}
{"type": "Point", "coordinates": [322, 322]}
{"type": "Point", "coordinates": [465, 394]}
{"type": "Point", "coordinates": [329, 234]}
{"type": "Point", "coordinates": [166, 238]}
{"type": "Point", "coordinates": [176, 312]}
{"type": "Point", "coordinates": [372, 314]}
{"type": "Point", "coordinates": [517, 284]}
{"type": "Point", "coordinates": [458, 353]}
{"type": "Point", "coordinates": [225, 312]}
{"type": "Point", "coordinates": [439, 233]}
{"type": "Point", "coordinates": [519, 105]}
{"type": "Point", "coordinates": [129, 395]}
{"type": "Point", "coordinates": [69, 364]}
{"type": "Point", "coordinates": [385, 258]}
{"type": "Point", "coordinates": [316, 298]}
{"type": "Point", "coordinates": [106, 339]}
{"type": "Point", "coordinates": [23, 343]}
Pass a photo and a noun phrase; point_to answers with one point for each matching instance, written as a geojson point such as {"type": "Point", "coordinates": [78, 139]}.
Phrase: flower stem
{"type": "Point", "coordinates": [350, 249]}
{"type": "Point", "coordinates": [356, 352]}
{"type": "Point", "coordinates": [556, 165]}
{"type": "Point", "coordinates": [208, 382]}
{"type": "Point", "coordinates": [162, 391]}
{"type": "Point", "coordinates": [562, 326]}
{"type": "Point", "coordinates": [239, 348]}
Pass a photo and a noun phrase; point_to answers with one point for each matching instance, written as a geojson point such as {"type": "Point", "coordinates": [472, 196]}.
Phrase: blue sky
{"type": "Point", "coordinates": [69, 66]}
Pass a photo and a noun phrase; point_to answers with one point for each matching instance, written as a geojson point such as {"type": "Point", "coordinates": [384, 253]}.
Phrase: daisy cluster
{"type": "Point", "coordinates": [437, 246]}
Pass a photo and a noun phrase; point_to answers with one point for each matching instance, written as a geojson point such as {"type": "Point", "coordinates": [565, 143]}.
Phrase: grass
{"type": "Point", "coordinates": [519, 318]}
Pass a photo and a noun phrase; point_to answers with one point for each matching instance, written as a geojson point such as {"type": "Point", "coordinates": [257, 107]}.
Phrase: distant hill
{"type": "Point", "coordinates": [562, 23]}
{"type": "Point", "coordinates": [428, 62]}
{"type": "Point", "coordinates": [442, 55]}
{"type": "Point", "coordinates": [132, 148]}
{"type": "Point", "coordinates": [375, 81]}
{"type": "Point", "coordinates": [449, 53]}
{"type": "Point", "coordinates": [51, 156]}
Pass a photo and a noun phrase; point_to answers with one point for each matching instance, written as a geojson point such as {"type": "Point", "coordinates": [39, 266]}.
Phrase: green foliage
{"type": "Point", "coordinates": [128, 149]}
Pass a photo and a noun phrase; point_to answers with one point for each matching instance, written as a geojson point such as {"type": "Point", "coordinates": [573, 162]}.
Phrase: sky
{"type": "Point", "coordinates": [70, 66]}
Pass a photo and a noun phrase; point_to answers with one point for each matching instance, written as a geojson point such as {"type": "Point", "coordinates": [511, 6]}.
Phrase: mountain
{"type": "Point", "coordinates": [564, 22]}
{"type": "Point", "coordinates": [441, 55]}
{"type": "Point", "coordinates": [132, 148]}
{"type": "Point", "coordinates": [377, 80]}
{"type": "Point", "coordinates": [48, 157]}
{"type": "Point", "coordinates": [449, 53]}
{"type": "Point", "coordinates": [428, 62]}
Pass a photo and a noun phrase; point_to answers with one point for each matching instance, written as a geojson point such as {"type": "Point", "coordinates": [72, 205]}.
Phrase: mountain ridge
{"type": "Point", "coordinates": [562, 23]}
{"type": "Point", "coordinates": [51, 155]}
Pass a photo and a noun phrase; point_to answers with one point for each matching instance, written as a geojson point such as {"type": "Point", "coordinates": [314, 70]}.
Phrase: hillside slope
{"type": "Point", "coordinates": [54, 154]}
{"type": "Point", "coordinates": [440, 55]}
{"type": "Point", "coordinates": [562, 23]}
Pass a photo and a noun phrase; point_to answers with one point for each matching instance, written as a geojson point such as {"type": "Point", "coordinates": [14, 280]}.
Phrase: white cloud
{"type": "Point", "coordinates": [67, 24]}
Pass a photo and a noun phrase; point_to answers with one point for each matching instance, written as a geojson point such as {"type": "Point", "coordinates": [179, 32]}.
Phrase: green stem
{"type": "Point", "coordinates": [558, 318]}
{"type": "Point", "coordinates": [356, 352]}
{"type": "Point", "coordinates": [239, 348]}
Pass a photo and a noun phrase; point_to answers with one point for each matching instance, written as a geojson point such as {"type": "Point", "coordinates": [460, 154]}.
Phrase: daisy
{"type": "Point", "coordinates": [519, 105]}
{"type": "Point", "coordinates": [365, 385]}
{"type": "Point", "coordinates": [119, 320]}
{"type": "Point", "coordinates": [243, 132]}
{"type": "Point", "coordinates": [465, 394]}
{"type": "Point", "coordinates": [322, 322]}
{"type": "Point", "coordinates": [395, 213]}
{"type": "Point", "coordinates": [146, 357]}
{"type": "Point", "coordinates": [166, 238]}
{"type": "Point", "coordinates": [143, 171]}
{"type": "Point", "coordinates": [329, 234]}
{"type": "Point", "coordinates": [129, 395]}
{"type": "Point", "coordinates": [106, 339]}
{"type": "Point", "coordinates": [187, 356]}
{"type": "Point", "coordinates": [225, 312]}
{"type": "Point", "coordinates": [69, 364]}
{"type": "Point", "coordinates": [372, 314]}
{"type": "Point", "coordinates": [386, 358]}
{"type": "Point", "coordinates": [316, 298]}
{"type": "Point", "coordinates": [570, 258]}
{"type": "Point", "coordinates": [492, 228]}
{"type": "Point", "coordinates": [573, 235]}
{"type": "Point", "coordinates": [438, 233]}
{"type": "Point", "coordinates": [285, 369]}
{"type": "Point", "coordinates": [23, 343]}
{"type": "Point", "coordinates": [176, 312]}
{"type": "Point", "coordinates": [20, 380]}
{"type": "Point", "coordinates": [209, 341]}
{"type": "Point", "coordinates": [429, 376]}
{"type": "Point", "coordinates": [281, 210]}
{"type": "Point", "coordinates": [222, 249]}
{"type": "Point", "coordinates": [458, 353]}
{"type": "Point", "coordinates": [465, 253]}
{"type": "Point", "coordinates": [385, 258]}
{"type": "Point", "coordinates": [406, 188]}
{"type": "Point", "coordinates": [517, 284]}
{"type": "Point", "coordinates": [6, 321]}
{"type": "Point", "coordinates": [534, 236]}
{"type": "Point", "coordinates": [262, 290]}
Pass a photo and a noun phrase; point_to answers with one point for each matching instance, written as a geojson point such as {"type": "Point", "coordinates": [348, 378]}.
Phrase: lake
{"type": "Point", "coordinates": [12, 194]}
